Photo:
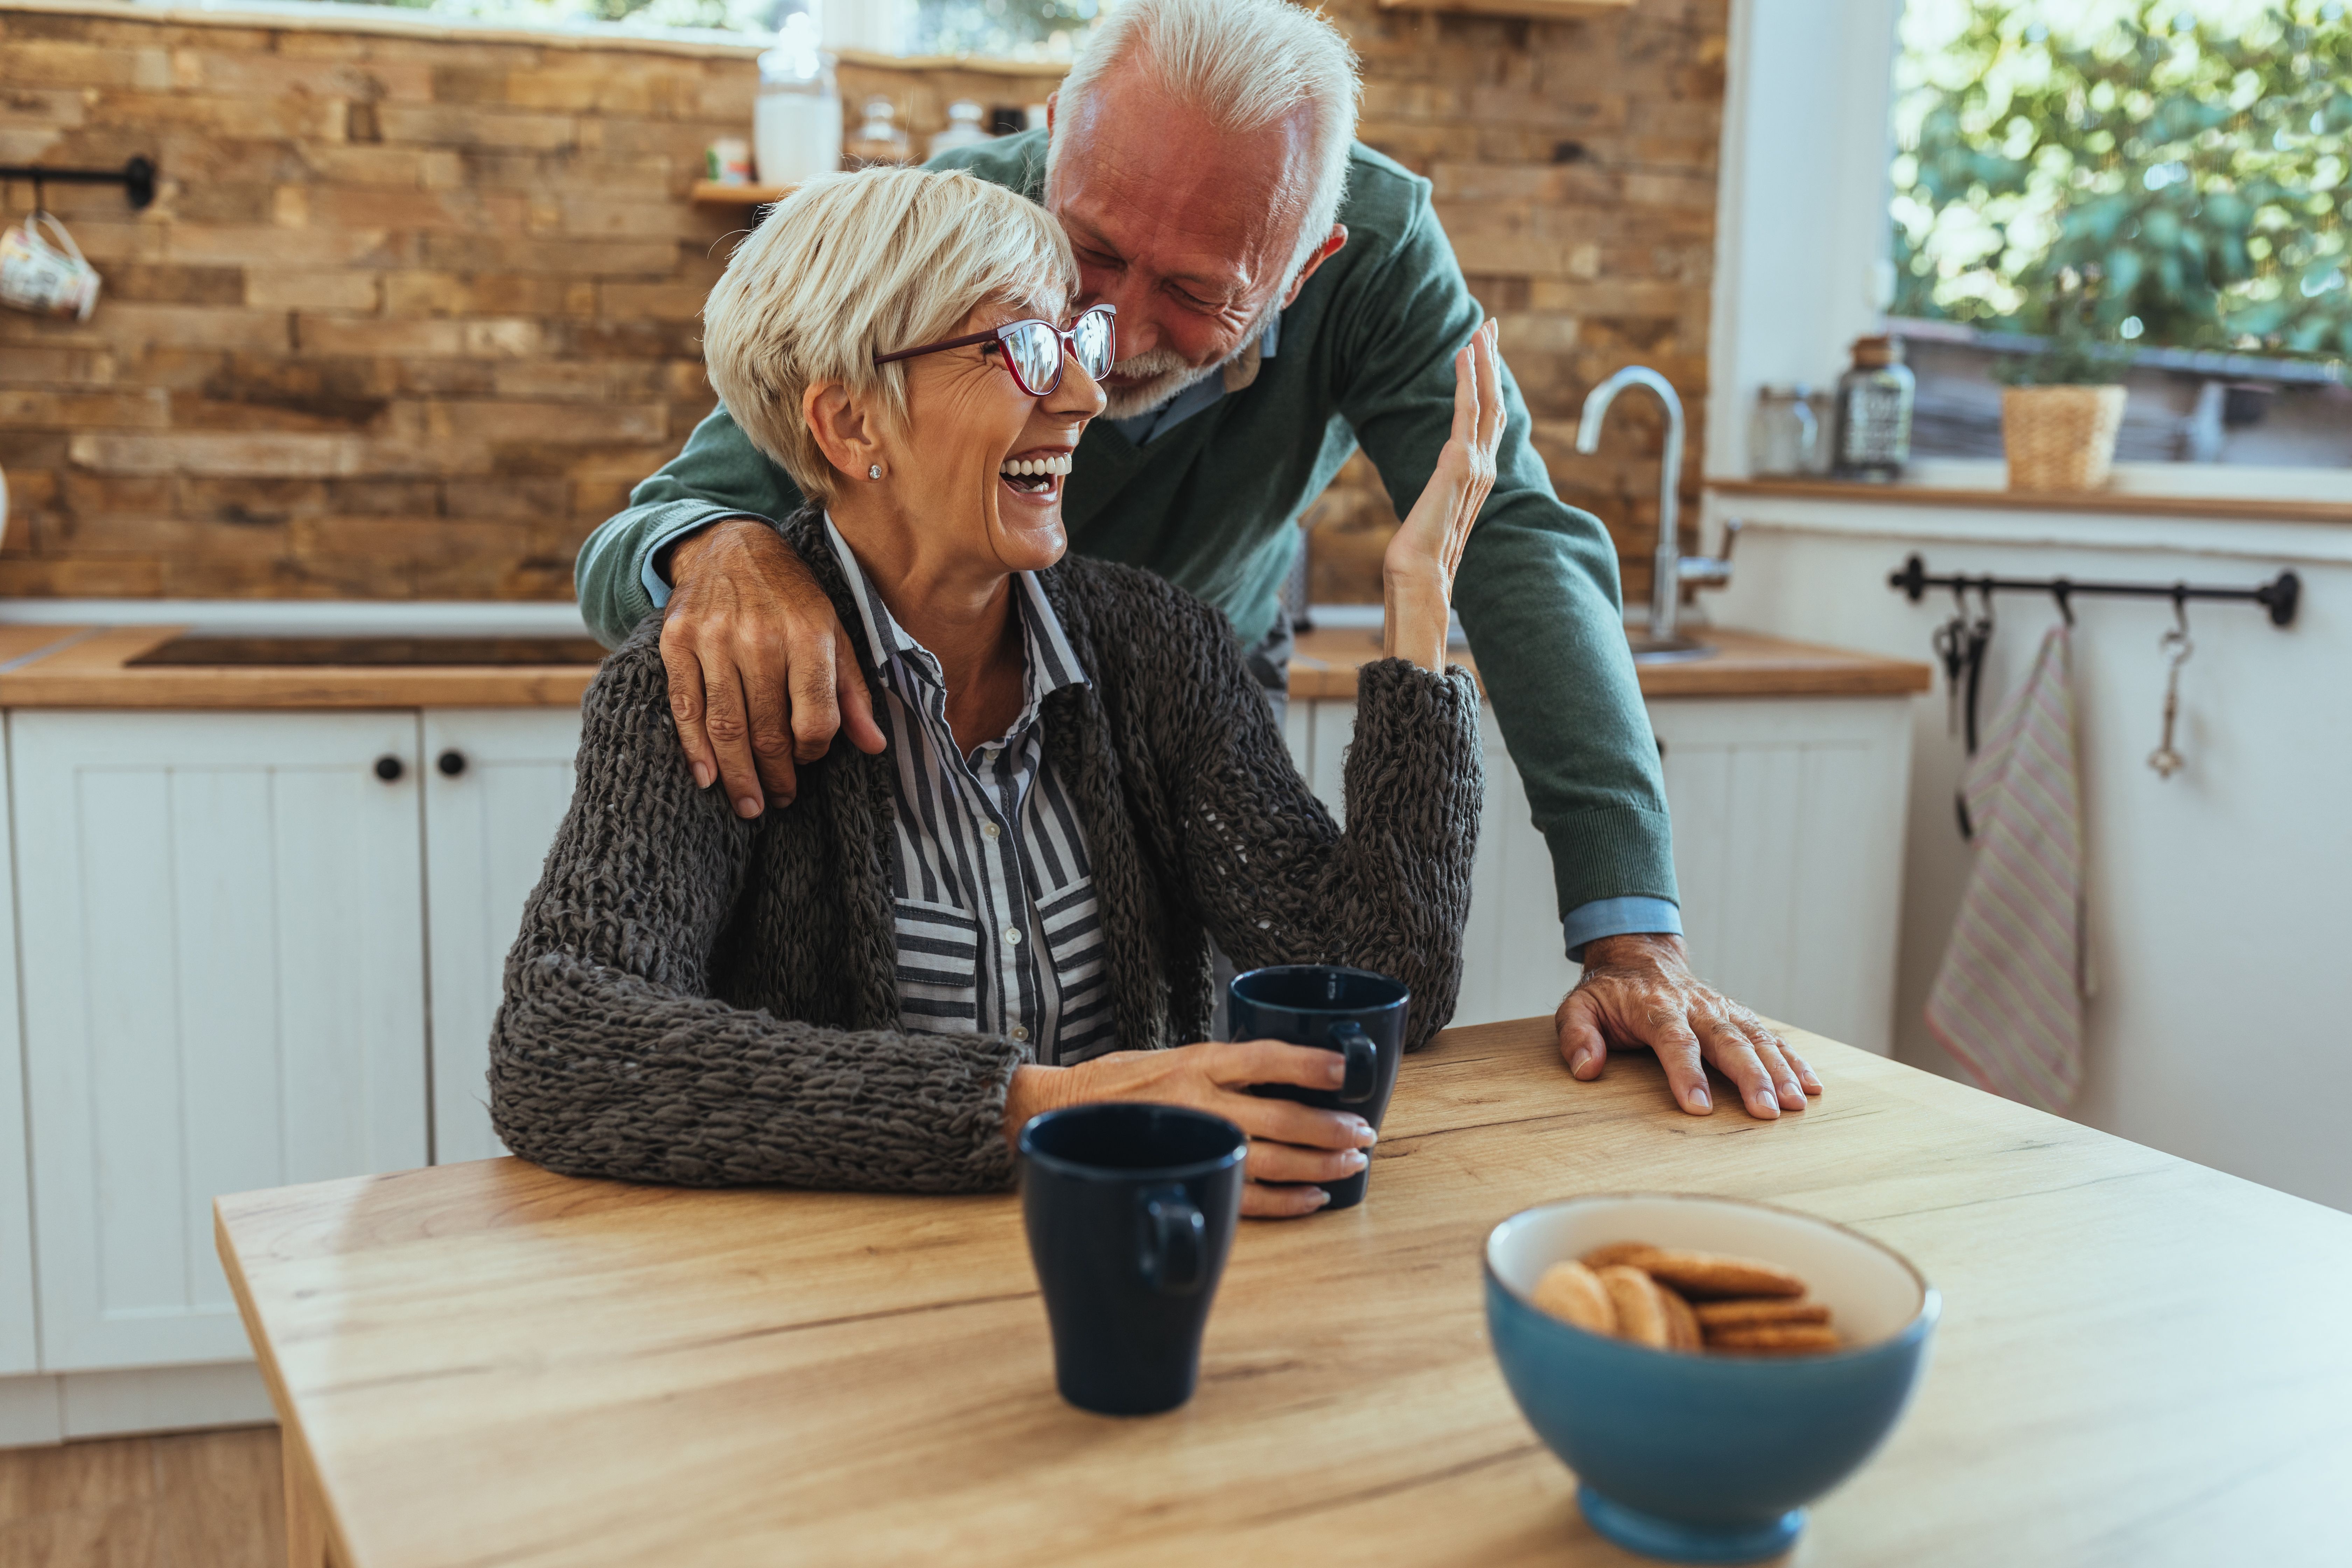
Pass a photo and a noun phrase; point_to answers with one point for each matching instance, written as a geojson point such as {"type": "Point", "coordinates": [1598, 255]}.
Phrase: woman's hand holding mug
{"type": "Point", "coordinates": [1417, 574]}
{"type": "Point", "coordinates": [1290, 1142]}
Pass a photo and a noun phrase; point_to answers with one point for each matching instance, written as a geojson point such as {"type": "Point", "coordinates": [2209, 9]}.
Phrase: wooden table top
{"type": "Point", "coordinates": [2141, 1360]}
{"type": "Point", "coordinates": [1745, 664]}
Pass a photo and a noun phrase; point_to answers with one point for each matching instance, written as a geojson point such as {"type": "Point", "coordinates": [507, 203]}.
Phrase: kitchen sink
{"type": "Point", "coordinates": [374, 652]}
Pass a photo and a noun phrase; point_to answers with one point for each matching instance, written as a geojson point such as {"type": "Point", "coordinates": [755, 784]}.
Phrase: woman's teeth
{"type": "Point", "coordinates": [1030, 468]}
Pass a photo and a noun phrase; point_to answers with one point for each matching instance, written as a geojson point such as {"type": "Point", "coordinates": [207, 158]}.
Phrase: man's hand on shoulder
{"type": "Point", "coordinates": [1639, 991]}
{"type": "Point", "coordinates": [761, 674]}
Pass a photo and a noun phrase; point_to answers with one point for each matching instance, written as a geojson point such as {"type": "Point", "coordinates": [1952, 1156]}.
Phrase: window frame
{"type": "Point", "coordinates": [1804, 261]}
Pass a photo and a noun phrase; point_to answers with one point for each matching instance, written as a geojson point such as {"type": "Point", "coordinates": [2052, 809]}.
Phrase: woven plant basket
{"type": "Point", "coordinates": [2059, 437]}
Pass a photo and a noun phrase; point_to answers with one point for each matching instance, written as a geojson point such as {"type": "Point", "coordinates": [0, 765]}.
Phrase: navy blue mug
{"type": "Point", "coordinates": [1130, 1210]}
{"type": "Point", "coordinates": [1355, 1012]}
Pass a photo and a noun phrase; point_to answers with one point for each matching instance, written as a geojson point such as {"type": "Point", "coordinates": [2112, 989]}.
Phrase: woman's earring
{"type": "Point", "coordinates": [874, 470]}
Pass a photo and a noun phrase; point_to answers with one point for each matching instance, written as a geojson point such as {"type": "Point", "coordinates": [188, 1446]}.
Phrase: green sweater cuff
{"type": "Point", "coordinates": [1613, 853]}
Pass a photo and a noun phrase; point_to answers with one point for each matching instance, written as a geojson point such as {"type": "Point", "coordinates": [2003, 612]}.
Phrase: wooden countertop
{"type": "Point", "coordinates": [1746, 664]}
{"type": "Point", "coordinates": [2122, 503]}
{"type": "Point", "coordinates": [2140, 1360]}
{"type": "Point", "coordinates": [95, 672]}
{"type": "Point", "coordinates": [89, 668]}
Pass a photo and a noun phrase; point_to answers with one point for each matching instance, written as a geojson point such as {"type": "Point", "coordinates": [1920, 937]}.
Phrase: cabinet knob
{"type": "Point", "coordinates": [389, 769]}
{"type": "Point", "coordinates": [451, 763]}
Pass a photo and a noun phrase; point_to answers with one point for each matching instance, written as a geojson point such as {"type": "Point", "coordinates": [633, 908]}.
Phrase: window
{"type": "Point", "coordinates": [2179, 169]}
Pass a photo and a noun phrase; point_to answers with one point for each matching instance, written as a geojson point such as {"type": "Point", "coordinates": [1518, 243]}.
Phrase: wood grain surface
{"type": "Point", "coordinates": [2126, 504]}
{"type": "Point", "coordinates": [1746, 664]}
{"type": "Point", "coordinates": [93, 670]}
{"type": "Point", "coordinates": [2141, 1360]}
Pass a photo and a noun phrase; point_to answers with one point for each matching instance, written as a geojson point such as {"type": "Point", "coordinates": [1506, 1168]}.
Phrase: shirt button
{"type": "Point", "coordinates": [1012, 936]}
{"type": "Point", "coordinates": [990, 830]}
{"type": "Point", "coordinates": [1020, 1031]}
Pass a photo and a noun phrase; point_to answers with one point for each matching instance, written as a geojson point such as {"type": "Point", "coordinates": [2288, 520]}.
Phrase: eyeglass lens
{"type": "Point", "coordinates": [1034, 351]}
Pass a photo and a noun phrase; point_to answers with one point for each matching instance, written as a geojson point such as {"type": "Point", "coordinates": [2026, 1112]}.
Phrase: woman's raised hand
{"type": "Point", "coordinates": [1417, 575]}
{"type": "Point", "coordinates": [1288, 1142]}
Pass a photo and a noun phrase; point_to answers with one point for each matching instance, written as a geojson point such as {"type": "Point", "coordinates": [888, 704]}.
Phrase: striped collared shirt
{"type": "Point", "coordinates": [998, 931]}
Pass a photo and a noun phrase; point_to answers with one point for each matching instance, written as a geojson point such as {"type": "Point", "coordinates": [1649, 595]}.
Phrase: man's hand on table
{"type": "Point", "coordinates": [1290, 1142]}
{"type": "Point", "coordinates": [760, 672]}
{"type": "Point", "coordinates": [1638, 991]}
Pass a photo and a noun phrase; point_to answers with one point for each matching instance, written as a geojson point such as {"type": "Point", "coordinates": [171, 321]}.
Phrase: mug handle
{"type": "Point", "coordinates": [1363, 1076]}
{"type": "Point", "coordinates": [1175, 1242]}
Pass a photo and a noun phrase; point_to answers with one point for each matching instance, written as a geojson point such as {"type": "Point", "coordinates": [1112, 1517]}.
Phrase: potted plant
{"type": "Point", "coordinates": [2062, 409]}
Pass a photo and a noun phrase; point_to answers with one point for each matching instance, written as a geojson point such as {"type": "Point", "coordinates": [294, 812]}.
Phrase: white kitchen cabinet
{"type": "Point", "coordinates": [1788, 820]}
{"type": "Point", "coordinates": [19, 1349]}
{"type": "Point", "coordinates": [223, 965]}
{"type": "Point", "coordinates": [497, 782]}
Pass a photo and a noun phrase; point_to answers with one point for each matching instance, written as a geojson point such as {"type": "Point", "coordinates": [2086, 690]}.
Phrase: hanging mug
{"type": "Point", "coordinates": [49, 279]}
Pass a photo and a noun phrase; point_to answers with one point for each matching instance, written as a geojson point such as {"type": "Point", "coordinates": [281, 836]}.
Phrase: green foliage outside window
{"type": "Point", "coordinates": [2183, 163]}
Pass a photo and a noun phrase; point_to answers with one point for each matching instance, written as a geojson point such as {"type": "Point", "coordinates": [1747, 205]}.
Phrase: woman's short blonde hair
{"type": "Point", "coordinates": [850, 266]}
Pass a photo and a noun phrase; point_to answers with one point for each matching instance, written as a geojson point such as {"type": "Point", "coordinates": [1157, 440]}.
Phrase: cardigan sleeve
{"type": "Point", "coordinates": [1276, 880]}
{"type": "Point", "coordinates": [611, 1057]}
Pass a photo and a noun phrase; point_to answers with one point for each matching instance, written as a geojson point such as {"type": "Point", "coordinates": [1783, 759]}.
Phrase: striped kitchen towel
{"type": "Point", "coordinates": [2008, 1003]}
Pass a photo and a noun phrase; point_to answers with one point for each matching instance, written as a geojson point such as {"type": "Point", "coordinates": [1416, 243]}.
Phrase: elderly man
{"type": "Point", "coordinates": [1284, 294]}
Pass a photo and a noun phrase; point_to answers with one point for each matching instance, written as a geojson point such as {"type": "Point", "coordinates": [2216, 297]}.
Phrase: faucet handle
{"type": "Point", "coordinates": [1731, 527]}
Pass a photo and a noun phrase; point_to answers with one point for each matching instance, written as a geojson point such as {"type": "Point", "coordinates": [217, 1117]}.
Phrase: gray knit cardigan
{"type": "Point", "coordinates": [702, 1000]}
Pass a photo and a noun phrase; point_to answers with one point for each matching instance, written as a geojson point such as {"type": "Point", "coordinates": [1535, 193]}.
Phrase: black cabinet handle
{"type": "Point", "coordinates": [389, 769]}
{"type": "Point", "coordinates": [451, 763]}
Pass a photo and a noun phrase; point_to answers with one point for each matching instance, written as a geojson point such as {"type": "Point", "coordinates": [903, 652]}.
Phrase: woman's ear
{"type": "Point", "coordinates": [846, 434]}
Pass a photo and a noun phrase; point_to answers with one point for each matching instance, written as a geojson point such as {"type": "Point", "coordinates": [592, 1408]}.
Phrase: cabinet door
{"type": "Point", "coordinates": [1788, 820]}
{"type": "Point", "coordinates": [222, 990]}
{"type": "Point", "coordinates": [19, 1351]}
{"type": "Point", "coordinates": [497, 784]}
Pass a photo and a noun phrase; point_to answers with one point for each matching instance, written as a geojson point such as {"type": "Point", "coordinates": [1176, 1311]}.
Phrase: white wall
{"type": "Point", "coordinates": [2218, 910]}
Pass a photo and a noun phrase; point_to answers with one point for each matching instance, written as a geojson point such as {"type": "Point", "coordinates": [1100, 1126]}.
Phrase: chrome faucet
{"type": "Point", "coordinates": [1672, 568]}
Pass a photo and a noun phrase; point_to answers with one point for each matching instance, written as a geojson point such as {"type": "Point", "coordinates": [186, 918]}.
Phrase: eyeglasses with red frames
{"type": "Point", "coordinates": [1033, 350]}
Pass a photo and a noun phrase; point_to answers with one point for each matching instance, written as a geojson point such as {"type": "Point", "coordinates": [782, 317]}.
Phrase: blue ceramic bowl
{"type": "Point", "coordinates": [1706, 1459]}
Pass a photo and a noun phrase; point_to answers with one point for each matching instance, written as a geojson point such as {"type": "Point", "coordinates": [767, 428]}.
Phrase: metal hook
{"type": "Point", "coordinates": [2180, 609]}
{"type": "Point", "coordinates": [2060, 590]}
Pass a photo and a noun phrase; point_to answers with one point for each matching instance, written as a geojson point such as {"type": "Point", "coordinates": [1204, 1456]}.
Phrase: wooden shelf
{"type": "Point", "coordinates": [710, 192]}
{"type": "Point", "coordinates": [2123, 503]}
{"type": "Point", "coordinates": [1533, 10]}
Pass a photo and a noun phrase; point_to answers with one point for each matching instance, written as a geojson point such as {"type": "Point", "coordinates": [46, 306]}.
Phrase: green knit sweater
{"type": "Point", "coordinates": [1364, 355]}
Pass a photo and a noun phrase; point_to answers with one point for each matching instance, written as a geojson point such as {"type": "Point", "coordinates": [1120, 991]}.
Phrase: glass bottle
{"type": "Point", "coordinates": [963, 128]}
{"type": "Point", "coordinates": [1783, 434]}
{"type": "Point", "coordinates": [1873, 412]}
{"type": "Point", "coordinates": [797, 120]}
{"type": "Point", "coordinates": [879, 140]}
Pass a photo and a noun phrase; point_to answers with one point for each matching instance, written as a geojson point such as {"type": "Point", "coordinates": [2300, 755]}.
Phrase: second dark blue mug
{"type": "Point", "coordinates": [1130, 1210]}
{"type": "Point", "coordinates": [1354, 1011]}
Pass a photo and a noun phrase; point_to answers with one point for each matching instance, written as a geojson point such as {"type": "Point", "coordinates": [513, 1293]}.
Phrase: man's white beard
{"type": "Point", "coordinates": [1161, 375]}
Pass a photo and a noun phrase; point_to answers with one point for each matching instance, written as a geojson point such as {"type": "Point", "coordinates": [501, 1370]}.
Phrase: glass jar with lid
{"type": "Point", "coordinates": [797, 120]}
{"type": "Point", "coordinates": [879, 140]}
{"type": "Point", "coordinates": [1785, 434]}
{"type": "Point", "coordinates": [964, 129]}
{"type": "Point", "coordinates": [1873, 412]}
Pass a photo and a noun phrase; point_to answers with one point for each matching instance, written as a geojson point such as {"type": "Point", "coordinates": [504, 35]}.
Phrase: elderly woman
{"type": "Point", "coordinates": [1003, 902]}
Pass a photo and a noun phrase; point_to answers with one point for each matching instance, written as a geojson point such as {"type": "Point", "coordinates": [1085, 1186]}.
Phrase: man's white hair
{"type": "Point", "coordinates": [1243, 64]}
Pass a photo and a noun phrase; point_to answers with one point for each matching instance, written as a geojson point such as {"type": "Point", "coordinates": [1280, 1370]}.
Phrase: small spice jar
{"type": "Point", "coordinates": [1873, 412]}
{"type": "Point", "coordinates": [1785, 435]}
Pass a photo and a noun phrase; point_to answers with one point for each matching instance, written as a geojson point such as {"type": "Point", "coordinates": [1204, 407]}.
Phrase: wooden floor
{"type": "Point", "coordinates": [196, 1500]}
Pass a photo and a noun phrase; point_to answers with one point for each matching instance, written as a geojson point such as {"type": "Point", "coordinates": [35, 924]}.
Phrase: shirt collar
{"type": "Point", "coordinates": [1205, 392]}
{"type": "Point", "coordinates": [1047, 660]}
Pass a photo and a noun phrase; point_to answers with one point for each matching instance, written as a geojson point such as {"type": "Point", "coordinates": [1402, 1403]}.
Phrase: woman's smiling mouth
{"type": "Point", "coordinates": [1036, 473]}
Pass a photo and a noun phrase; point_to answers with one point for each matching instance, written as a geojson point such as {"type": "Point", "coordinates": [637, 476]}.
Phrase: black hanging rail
{"type": "Point", "coordinates": [136, 177]}
{"type": "Point", "coordinates": [2279, 595]}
